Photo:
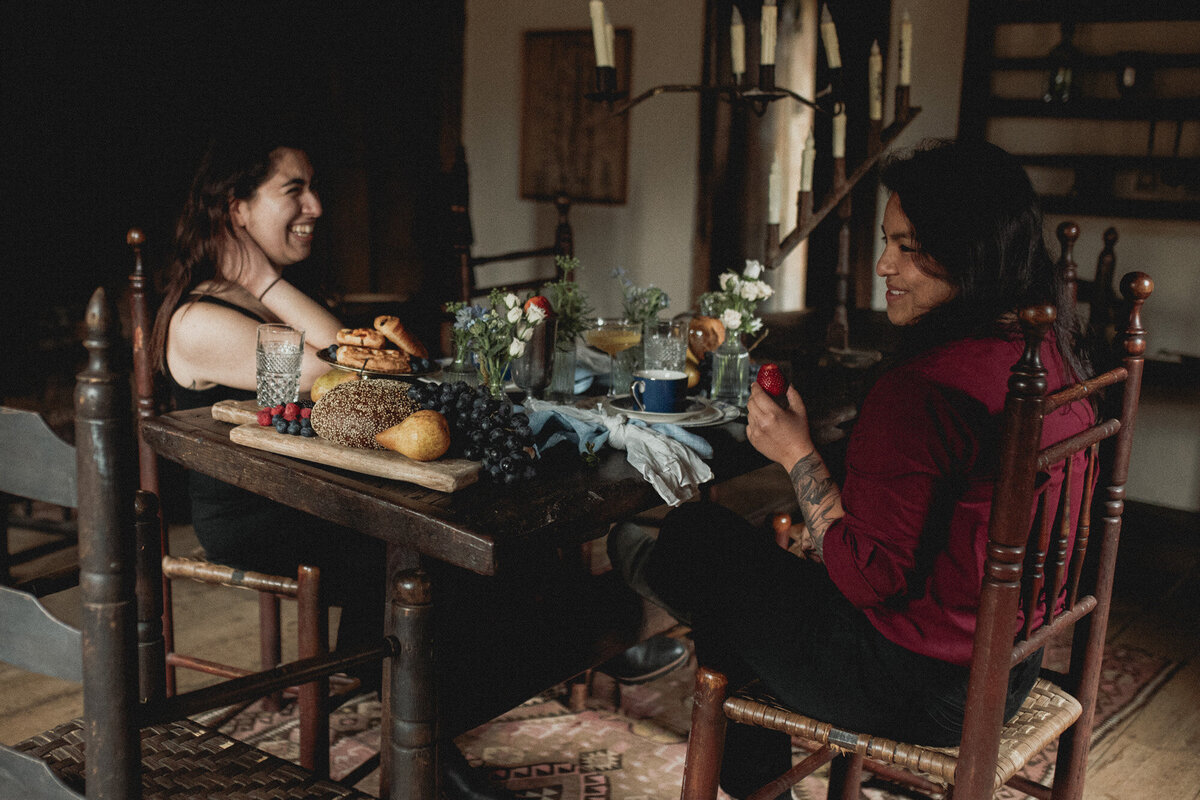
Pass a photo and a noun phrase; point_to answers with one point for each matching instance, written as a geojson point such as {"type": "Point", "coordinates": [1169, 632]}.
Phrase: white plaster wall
{"type": "Point", "coordinates": [651, 235]}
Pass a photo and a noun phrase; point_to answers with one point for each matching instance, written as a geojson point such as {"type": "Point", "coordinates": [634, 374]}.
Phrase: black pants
{"type": "Point", "coordinates": [244, 530]}
{"type": "Point", "coordinates": [758, 611]}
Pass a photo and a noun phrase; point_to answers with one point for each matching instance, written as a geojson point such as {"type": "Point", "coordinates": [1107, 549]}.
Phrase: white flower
{"type": "Point", "coordinates": [753, 269]}
{"type": "Point", "coordinates": [749, 290]}
{"type": "Point", "coordinates": [726, 279]}
{"type": "Point", "coordinates": [511, 300]}
{"type": "Point", "coordinates": [732, 320]}
{"type": "Point", "coordinates": [535, 313]}
{"type": "Point", "coordinates": [514, 312]}
{"type": "Point", "coordinates": [525, 334]}
{"type": "Point", "coordinates": [517, 348]}
{"type": "Point", "coordinates": [764, 290]}
{"type": "Point", "coordinates": [754, 325]}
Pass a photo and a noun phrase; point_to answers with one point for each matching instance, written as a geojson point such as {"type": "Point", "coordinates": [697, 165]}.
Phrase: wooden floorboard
{"type": "Point", "coordinates": [1151, 755]}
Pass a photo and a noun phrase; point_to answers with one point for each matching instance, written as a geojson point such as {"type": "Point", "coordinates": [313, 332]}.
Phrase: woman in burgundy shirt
{"type": "Point", "coordinates": [873, 629]}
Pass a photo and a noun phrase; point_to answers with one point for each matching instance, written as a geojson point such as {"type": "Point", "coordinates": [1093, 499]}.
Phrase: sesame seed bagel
{"type": "Point", "coordinates": [352, 413]}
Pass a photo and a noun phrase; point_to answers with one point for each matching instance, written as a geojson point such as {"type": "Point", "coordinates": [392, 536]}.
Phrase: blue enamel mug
{"type": "Point", "coordinates": [659, 391]}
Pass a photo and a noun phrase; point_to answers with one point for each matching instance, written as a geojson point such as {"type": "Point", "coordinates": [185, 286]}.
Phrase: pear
{"type": "Point", "coordinates": [422, 436]}
{"type": "Point", "coordinates": [329, 380]}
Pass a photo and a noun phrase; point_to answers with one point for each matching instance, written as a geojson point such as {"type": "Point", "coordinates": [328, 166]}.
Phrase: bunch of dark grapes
{"type": "Point", "coordinates": [290, 418]}
{"type": "Point", "coordinates": [482, 429]}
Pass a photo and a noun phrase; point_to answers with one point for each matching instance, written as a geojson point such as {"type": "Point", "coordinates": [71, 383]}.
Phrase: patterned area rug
{"type": "Point", "coordinates": [629, 744]}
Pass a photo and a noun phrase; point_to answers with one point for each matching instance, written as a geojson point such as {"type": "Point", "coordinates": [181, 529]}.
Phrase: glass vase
{"type": "Point", "coordinates": [731, 372]}
{"type": "Point", "coordinates": [562, 374]}
{"type": "Point", "coordinates": [491, 375]}
{"type": "Point", "coordinates": [462, 368]}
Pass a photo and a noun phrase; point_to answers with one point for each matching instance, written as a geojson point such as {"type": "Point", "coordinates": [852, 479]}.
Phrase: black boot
{"type": "Point", "coordinates": [461, 781]}
{"type": "Point", "coordinates": [647, 660]}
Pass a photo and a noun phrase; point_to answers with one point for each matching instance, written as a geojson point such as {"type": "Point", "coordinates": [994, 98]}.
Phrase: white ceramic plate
{"type": "Point", "coordinates": [700, 412]}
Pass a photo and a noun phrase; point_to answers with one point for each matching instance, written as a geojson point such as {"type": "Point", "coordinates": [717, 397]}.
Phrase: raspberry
{"type": "Point", "coordinates": [772, 382]}
{"type": "Point", "coordinates": [277, 410]}
{"type": "Point", "coordinates": [305, 412]}
{"type": "Point", "coordinates": [289, 413]}
{"type": "Point", "coordinates": [293, 407]}
{"type": "Point", "coordinates": [264, 416]}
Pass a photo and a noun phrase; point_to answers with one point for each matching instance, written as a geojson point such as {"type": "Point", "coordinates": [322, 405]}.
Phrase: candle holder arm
{"type": "Point", "coordinates": [831, 200]}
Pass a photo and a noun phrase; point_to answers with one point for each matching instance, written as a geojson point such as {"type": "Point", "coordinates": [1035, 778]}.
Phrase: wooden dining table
{"type": "Point", "coordinates": [495, 569]}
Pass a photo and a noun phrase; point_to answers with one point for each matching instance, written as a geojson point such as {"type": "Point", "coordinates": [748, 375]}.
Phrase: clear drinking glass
{"type": "Point", "coordinates": [532, 370]}
{"type": "Point", "coordinates": [612, 336]}
{"type": "Point", "coordinates": [664, 345]}
{"type": "Point", "coordinates": [277, 359]}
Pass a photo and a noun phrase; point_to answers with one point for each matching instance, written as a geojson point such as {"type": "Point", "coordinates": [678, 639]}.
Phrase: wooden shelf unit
{"type": "Point", "coordinates": [1100, 186]}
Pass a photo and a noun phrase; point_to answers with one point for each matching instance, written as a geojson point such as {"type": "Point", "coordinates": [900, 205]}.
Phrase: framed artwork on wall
{"type": "Point", "coordinates": [569, 144]}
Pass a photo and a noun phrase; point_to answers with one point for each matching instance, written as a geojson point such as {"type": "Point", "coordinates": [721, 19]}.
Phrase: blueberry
{"type": "Point", "coordinates": [523, 432]}
{"type": "Point", "coordinates": [473, 452]}
{"type": "Point", "coordinates": [281, 425]}
{"type": "Point", "coordinates": [294, 428]}
{"type": "Point", "coordinates": [508, 465]}
{"type": "Point", "coordinates": [497, 436]}
{"type": "Point", "coordinates": [519, 419]}
{"type": "Point", "coordinates": [308, 433]}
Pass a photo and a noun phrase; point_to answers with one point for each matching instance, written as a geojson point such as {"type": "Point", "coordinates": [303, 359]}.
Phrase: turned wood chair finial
{"type": "Point", "coordinates": [1068, 234]}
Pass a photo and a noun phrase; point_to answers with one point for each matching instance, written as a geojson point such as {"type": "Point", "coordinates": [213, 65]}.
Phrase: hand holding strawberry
{"type": "Point", "coordinates": [772, 382]}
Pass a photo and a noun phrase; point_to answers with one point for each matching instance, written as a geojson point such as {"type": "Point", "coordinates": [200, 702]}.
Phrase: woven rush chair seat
{"type": "Point", "coordinates": [1045, 714]}
{"type": "Point", "coordinates": [186, 760]}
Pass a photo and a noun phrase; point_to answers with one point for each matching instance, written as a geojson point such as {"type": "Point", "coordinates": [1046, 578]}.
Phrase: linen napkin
{"type": "Point", "coordinates": [668, 456]}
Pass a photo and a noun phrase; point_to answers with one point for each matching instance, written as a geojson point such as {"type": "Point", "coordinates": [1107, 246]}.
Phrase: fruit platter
{"type": "Point", "coordinates": [440, 436]}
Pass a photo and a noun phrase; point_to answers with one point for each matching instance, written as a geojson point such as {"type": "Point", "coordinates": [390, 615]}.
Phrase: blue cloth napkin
{"type": "Point", "coordinates": [669, 456]}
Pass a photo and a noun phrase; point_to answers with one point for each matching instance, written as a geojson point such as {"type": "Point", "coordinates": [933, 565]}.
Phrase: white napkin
{"type": "Point", "coordinates": [675, 470]}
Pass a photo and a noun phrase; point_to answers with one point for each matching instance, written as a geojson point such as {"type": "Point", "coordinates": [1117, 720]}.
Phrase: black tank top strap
{"type": "Point", "coordinates": [217, 301]}
{"type": "Point", "coordinates": [185, 398]}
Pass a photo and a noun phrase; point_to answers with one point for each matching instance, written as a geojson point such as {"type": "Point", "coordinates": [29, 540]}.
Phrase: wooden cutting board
{"type": "Point", "coordinates": [444, 475]}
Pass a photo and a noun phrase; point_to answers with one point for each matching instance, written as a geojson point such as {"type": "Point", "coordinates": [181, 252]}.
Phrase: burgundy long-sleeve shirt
{"type": "Point", "coordinates": [920, 471]}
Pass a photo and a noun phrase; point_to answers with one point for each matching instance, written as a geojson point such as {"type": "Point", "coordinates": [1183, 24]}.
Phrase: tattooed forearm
{"type": "Point", "coordinates": [819, 497]}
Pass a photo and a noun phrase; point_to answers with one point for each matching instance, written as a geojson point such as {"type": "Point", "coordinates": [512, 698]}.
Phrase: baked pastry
{"type": "Point", "coordinates": [391, 361]}
{"type": "Point", "coordinates": [352, 413]}
{"type": "Point", "coordinates": [361, 337]}
{"type": "Point", "coordinates": [397, 334]}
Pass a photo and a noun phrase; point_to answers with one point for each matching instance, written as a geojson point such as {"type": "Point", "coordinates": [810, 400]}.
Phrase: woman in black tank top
{"type": "Point", "coordinates": [251, 213]}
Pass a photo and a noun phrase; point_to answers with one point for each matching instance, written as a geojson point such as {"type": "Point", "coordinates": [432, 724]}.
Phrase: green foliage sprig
{"type": "Point", "coordinates": [569, 303]}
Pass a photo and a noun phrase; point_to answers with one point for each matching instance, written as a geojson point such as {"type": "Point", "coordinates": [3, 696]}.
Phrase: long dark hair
{"type": "Point", "coordinates": [233, 167]}
{"type": "Point", "coordinates": [978, 224]}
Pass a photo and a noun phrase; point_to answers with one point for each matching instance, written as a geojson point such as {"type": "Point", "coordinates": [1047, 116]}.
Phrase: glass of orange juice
{"type": "Point", "coordinates": [612, 336]}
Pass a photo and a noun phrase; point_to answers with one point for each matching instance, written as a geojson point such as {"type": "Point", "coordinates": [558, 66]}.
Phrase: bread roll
{"type": "Point", "coordinates": [352, 413]}
{"type": "Point", "coordinates": [392, 361]}
{"type": "Point", "coordinates": [394, 330]}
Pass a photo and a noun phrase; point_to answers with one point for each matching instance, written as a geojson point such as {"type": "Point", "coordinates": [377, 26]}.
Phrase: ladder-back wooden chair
{"type": "Point", "coordinates": [312, 614]}
{"type": "Point", "coordinates": [1029, 570]}
{"type": "Point", "coordinates": [41, 469]}
{"type": "Point", "coordinates": [470, 284]}
{"type": "Point", "coordinates": [1103, 302]}
{"type": "Point", "coordinates": [117, 652]}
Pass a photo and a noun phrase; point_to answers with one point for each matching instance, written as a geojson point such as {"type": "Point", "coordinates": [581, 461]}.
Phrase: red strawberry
{"type": "Point", "coordinates": [772, 382]}
{"type": "Point", "coordinates": [540, 302]}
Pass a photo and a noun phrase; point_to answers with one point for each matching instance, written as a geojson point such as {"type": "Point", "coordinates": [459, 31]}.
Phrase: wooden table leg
{"type": "Point", "coordinates": [409, 763]}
